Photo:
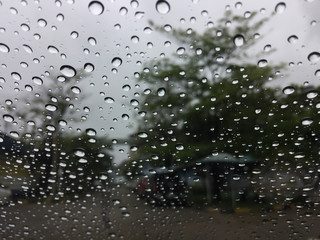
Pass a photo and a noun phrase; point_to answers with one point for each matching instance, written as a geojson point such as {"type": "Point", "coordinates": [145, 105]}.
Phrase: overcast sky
{"type": "Point", "coordinates": [40, 24]}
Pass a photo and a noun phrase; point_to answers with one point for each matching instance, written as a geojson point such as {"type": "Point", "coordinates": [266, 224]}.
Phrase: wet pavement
{"type": "Point", "coordinates": [123, 215]}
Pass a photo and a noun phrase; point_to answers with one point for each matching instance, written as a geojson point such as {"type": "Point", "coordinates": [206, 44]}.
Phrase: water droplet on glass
{"type": "Point", "coordinates": [238, 40]}
{"type": "Point", "coordinates": [51, 128]}
{"type": "Point", "coordinates": [14, 134]}
{"type": "Point", "coordinates": [79, 152]}
{"type": "Point", "coordinates": [179, 147]}
{"type": "Point", "coordinates": [96, 8]}
{"type": "Point", "coordinates": [126, 87]}
{"type": "Point", "coordinates": [123, 11]}
{"type": "Point", "coordinates": [134, 39]}
{"type": "Point", "coordinates": [317, 73]}
{"type": "Point", "coordinates": [262, 63]}
{"type": "Point", "coordinates": [92, 41]}
{"type": "Point", "coordinates": [162, 7]}
{"type": "Point", "coordinates": [28, 88]}
{"type": "Point", "coordinates": [280, 7]}
{"type": "Point", "coordinates": [60, 17]}
{"type": "Point", "coordinates": [83, 160]}
{"type": "Point", "coordinates": [91, 132]}
{"type": "Point", "coordinates": [134, 102]}
{"type": "Point", "coordinates": [74, 34]}
{"type": "Point", "coordinates": [88, 67]}
{"type": "Point", "coordinates": [312, 94]}
{"type": "Point", "coordinates": [63, 123]}
{"type": "Point", "coordinates": [68, 71]}
{"type": "Point", "coordinates": [51, 107]}
{"type": "Point", "coordinates": [109, 100]}
{"type": "Point", "coordinates": [267, 48]}
{"type": "Point", "coordinates": [314, 57]}
{"type": "Point", "coordinates": [125, 116]}
{"type": "Point", "coordinates": [25, 27]}
{"type": "Point", "coordinates": [16, 76]}
{"type": "Point", "coordinates": [293, 39]}
{"type": "Point", "coordinates": [8, 118]}
{"type": "Point", "coordinates": [27, 48]}
{"type": "Point", "coordinates": [180, 50]}
{"type": "Point", "coordinates": [37, 80]}
{"type": "Point", "coordinates": [288, 90]}
{"type": "Point", "coordinates": [42, 22]}
{"type": "Point", "coordinates": [76, 90]}
{"type": "Point", "coordinates": [161, 92]}
{"type": "Point", "coordinates": [142, 135]}
{"type": "Point", "coordinates": [306, 121]}
{"type": "Point", "coordinates": [139, 15]}
{"type": "Point", "coordinates": [53, 49]}
{"type": "Point", "coordinates": [4, 48]}
{"type": "Point", "coordinates": [116, 62]}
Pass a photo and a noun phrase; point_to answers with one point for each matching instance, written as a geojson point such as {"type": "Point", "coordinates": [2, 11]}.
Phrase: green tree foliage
{"type": "Point", "coordinates": [209, 97]}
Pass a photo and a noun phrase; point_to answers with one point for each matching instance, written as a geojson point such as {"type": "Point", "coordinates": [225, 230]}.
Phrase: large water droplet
{"type": "Point", "coordinates": [88, 67]}
{"type": "Point", "coordinates": [116, 62]}
{"type": "Point", "coordinates": [42, 22]}
{"type": "Point", "coordinates": [161, 92]}
{"type": "Point", "coordinates": [179, 147]}
{"type": "Point", "coordinates": [37, 80]}
{"type": "Point", "coordinates": [76, 90]}
{"type": "Point", "coordinates": [79, 152]}
{"type": "Point", "coordinates": [92, 41]}
{"type": "Point", "coordinates": [123, 11]}
{"type": "Point", "coordinates": [314, 57]}
{"type": "Point", "coordinates": [8, 118]}
{"type": "Point", "coordinates": [306, 121]}
{"type": "Point", "coordinates": [288, 90]}
{"type": "Point", "coordinates": [238, 40]}
{"type": "Point", "coordinates": [312, 94]}
{"type": "Point", "coordinates": [317, 73]}
{"type": "Point", "coordinates": [125, 116]}
{"type": "Point", "coordinates": [74, 34]}
{"type": "Point", "coordinates": [25, 27]}
{"type": "Point", "coordinates": [83, 160]}
{"type": "Point", "coordinates": [96, 8]}
{"type": "Point", "coordinates": [27, 48]}
{"type": "Point", "coordinates": [16, 76]}
{"type": "Point", "coordinates": [4, 48]}
{"type": "Point", "coordinates": [109, 100]}
{"type": "Point", "coordinates": [68, 71]}
{"type": "Point", "coordinates": [53, 49]}
{"type": "Point", "coordinates": [142, 135]}
{"type": "Point", "coordinates": [162, 7]}
{"type": "Point", "coordinates": [293, 39]}
{"type": "Point", "coordinates": [91, 132]}
{"type": "Point", "coordinates": [280, 7]}
{"type": "Point", "coordinates": [262, 63]}
{"type": "Point", "coordinates": [51, 107]}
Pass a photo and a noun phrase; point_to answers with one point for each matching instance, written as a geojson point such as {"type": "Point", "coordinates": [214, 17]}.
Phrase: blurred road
{"type": "Point", "coordinates": [122, 215]}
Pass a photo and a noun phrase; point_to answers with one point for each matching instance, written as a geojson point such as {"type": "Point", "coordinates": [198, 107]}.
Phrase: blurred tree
{"type": "Point", "coordinates": [209, 97]}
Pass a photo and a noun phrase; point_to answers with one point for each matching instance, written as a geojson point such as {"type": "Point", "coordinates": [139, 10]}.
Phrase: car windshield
{"type": "Point", "coordinates": [159, 119]}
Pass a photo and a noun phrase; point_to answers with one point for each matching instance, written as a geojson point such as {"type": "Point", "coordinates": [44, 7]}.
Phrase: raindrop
{"type": "Point", "coordinates": [162, 7]}
{"type": "Point", "coordinates": [180, 50]}
{"type": "Point", "coordinates": [280, 7]}
{"type": "Point", "coordinates": [25, 27]}
{"type": "Point", "coordinates": [179, 147]}
{"type": "Point", "coordinates": [16, 76]}
{"type": "Point", "coordinates": [28, 88]}
{"type": "Point", "coordinates": [63, 123]}
{"type": "Point", "coordinates": [14, 134]}
{"type": "Point", "coordinates": [267, 48]}
{"type": "Point", "coordinates": [109, 100]}
{"type": "Point", "coordinates": [134, 102]}
{"type": "Point", "coordinates": [92, 41]}
{"type": "Point", "coordinates": [83, 160]}
{"type": "Point", "coordinates": [27, 48]}
{"type": "Point", "coordinates": [4, 48]}
{"type": "Point", "coordinates": [288, 90]}
{"type": "Point", "coordinates": [51, 128]}
{"type": "Point", "coordinates": [147, 30]}
{"type": "Point", "coordinates": [13, 11]}
{"type": "Point", "coordinates": [76, 90]}
{"type": "Point", "coordinates": [8, 118]}
{"type": "Point", "coordinates": [142, 135]}
{"type": "Point", "coordinates": [88, 67]}
{"type": "Point", "coordinates": [37, 80]}
{"type": "Point", "coordinates": [292, 39]}
{"type": "Point", "coordinates": [68, 71]}
{"type": "Point", "coordinates": [123, 11]}
{"type": "Point", "coordinates": [238, 40]}
{"type": "Point", "coordinates": [96, 8]}
{"type": "Point", "coordinates": [125, 116]}
{"type": "Point", "coordinates": [116, 62]}
{"type": "Point", "coordinates": [134, 39]}
{"type": "Point", "coordinates": [79, 152]}
{"type": "Point", "coordinates": [42, 22]}
{"type": "Point", "coordinates": [314, 57]}
{"type": "Point", "coordinates": [161, 92]}
{"type": "Point", "coordinates": [126, 87]}
{"type": "Point", "coordinates": [317, 73]}
{"type": "Point", "coordinates": [53, 49]}
{"type": "Point", "coordinates": [60, 17]}
{"type": "Point", "coordinates": [51, 107]}
{"type": "Point", "coordinates": [91, 132]}
{"type": "Point", "coordinates": [139, 15]}
{"type": "Point", "coordinates": [74, 34]}
{"type": "Point", "coordinates": [306, 121]}
{"type": "Point", "coordinates": [312, 94]}
{"type": "Point", "coordinates": [262, 63]}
